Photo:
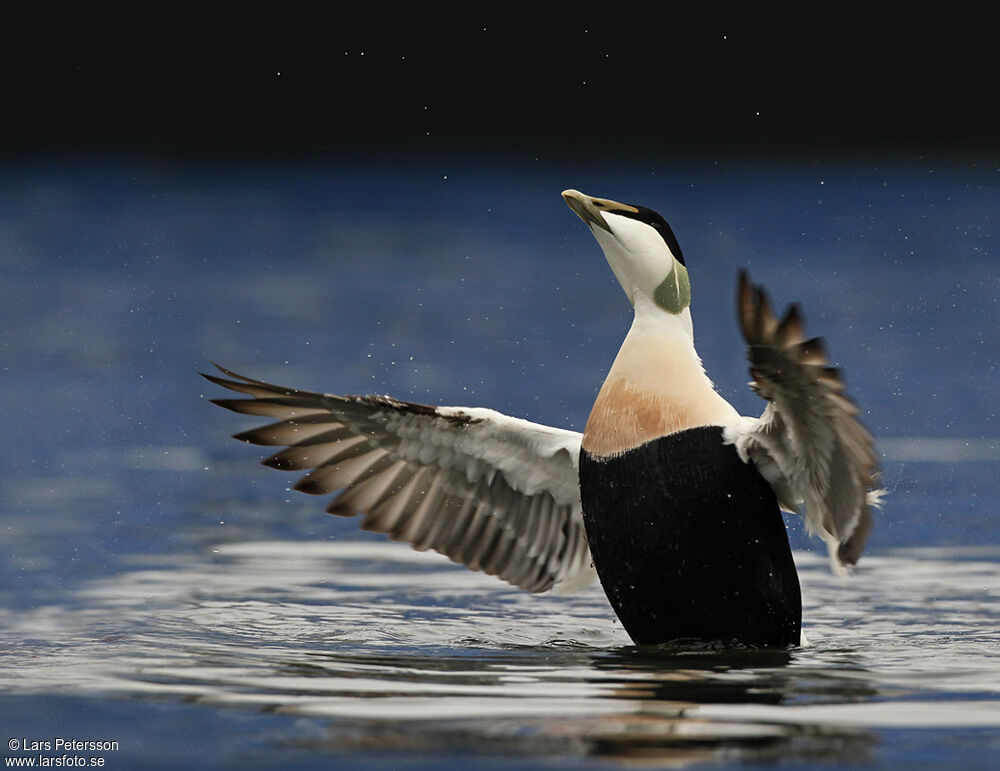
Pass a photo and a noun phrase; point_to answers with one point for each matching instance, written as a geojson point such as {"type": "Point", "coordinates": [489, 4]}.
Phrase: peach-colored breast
{"type": "Point", "coordinates": [625, 416]}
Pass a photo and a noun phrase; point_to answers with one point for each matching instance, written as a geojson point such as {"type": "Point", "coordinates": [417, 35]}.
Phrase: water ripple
{"type": "Point", "coordinates": [418, 651]}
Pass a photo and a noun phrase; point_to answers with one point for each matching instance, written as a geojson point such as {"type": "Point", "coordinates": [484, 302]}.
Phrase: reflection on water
{"type": "Point", "coordinates": [398, 651]}
{"type": "Point", "coordinates": [118, 483]}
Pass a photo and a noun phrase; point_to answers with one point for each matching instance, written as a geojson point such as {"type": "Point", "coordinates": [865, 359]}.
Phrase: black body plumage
{"type": "Point", "coordinates": [689, 543]}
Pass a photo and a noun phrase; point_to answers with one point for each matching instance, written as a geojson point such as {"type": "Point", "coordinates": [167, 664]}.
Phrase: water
{"type": "Point", "coordinates": [161, 590]}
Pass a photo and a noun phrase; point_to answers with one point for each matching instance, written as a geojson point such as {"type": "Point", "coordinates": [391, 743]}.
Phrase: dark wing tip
{"type": "Point", "coordinates": [280, 462]}
{"type": "Point", "coordinates": [758, 322]}
{"type": "Point", "coordinates": [230, 373]}
{"type": "Point", "coordinates": [235, 405]}
{"type": "Point", "coordinates": [337, 508]}
{"type": "Point", "coordinates": [745, 304]}
{"type": "Point", "coordinates": [311, 486]}
{"type": "Point", "coordinates": [218, 380]}
{"type": "Point", "coordinates": [791, 328]}
{"type": "Point", "coordinates": [250, 436]}
{"type": "Point", "coordinates": [232, 385]}
{"type": "Point", "coordinates": [850, 550]}
{"type": "Point", "coordinates": [813, 352]}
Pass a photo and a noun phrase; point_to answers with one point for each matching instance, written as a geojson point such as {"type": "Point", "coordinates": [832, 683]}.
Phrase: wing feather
{"type": "Point", "coordinates": [809, 442]}
{"type": "Point", "coordinates": [300, 431]}
{"type": "Point", "coordinates": [491, 492]}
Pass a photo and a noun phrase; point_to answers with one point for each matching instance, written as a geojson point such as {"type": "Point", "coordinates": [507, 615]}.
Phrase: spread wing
{"type": "Point", "coordinates": [809, 443]}
{"type": "Point", "coordinates": [491, 492]}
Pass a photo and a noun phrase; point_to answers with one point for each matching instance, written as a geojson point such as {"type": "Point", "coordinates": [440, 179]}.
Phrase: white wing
{"type": "Point", "coordinates": [491, 492]}
{"type": "Point", "coordinates": [808, 443]}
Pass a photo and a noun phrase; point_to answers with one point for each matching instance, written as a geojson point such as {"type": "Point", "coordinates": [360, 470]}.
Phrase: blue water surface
{"type": "Point", "coordinates": [461, 281]}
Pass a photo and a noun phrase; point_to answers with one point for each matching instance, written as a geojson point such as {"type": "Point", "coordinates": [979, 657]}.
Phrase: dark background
{"type": "Point", "coordinates": [285, 79]}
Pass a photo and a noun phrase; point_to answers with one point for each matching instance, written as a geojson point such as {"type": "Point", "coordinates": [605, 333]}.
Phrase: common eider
{"type": "Point", "coordinates": [669, 495]}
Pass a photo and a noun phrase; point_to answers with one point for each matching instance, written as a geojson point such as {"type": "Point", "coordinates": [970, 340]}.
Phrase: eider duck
{"type": "Point", "coordinates": [669, 495]}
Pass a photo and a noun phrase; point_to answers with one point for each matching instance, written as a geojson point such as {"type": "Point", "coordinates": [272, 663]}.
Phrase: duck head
{"type": "Point", "coordinates": [641, 249]}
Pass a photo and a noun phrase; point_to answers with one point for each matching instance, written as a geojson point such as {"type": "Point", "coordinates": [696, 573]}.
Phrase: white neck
{"type": "Point", "coordinates": [656, 386]}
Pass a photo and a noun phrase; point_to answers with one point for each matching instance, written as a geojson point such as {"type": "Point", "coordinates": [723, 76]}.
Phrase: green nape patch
{"type": "Point", "coordinates": [674, 293]}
